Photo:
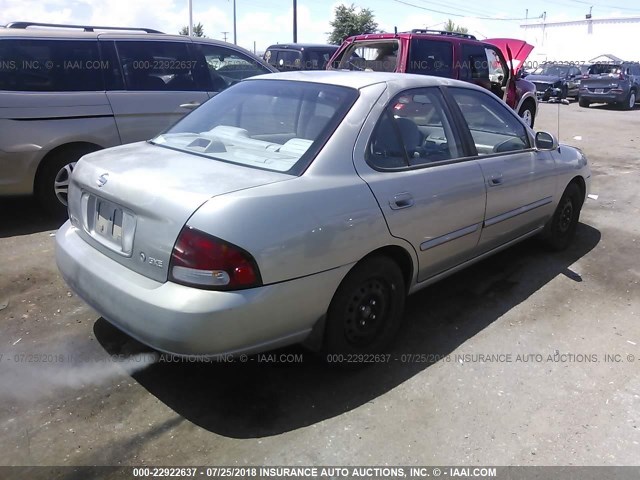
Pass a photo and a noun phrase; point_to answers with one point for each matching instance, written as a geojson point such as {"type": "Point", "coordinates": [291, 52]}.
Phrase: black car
{"type": "Point", "coordinates": [556, 80]}
{"type": "Point", "coordinates": [299, 56]}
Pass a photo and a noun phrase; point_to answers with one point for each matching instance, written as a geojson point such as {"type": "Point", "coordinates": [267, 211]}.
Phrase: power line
{"type": "Point", "coordinates": [460, 15]}
{"type": "Point", "coordinates": [591, 4]}
{"type": "Point", "coordinates": [477, 12]}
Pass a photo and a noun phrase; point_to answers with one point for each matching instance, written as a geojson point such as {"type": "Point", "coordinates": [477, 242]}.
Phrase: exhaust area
{"type": "Point", "coordinates": [30, 376]}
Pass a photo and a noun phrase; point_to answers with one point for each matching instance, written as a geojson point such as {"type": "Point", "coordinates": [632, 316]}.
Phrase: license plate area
{"type": "Point", "coordinates": [108, 223]}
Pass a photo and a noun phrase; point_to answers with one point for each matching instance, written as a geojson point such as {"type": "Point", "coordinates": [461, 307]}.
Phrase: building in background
{"type": "Point", "coordinates": [583, 40]}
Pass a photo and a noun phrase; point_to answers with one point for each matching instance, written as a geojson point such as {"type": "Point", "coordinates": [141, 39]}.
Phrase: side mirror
{"type": "Point", "coordinates": [546, 141]}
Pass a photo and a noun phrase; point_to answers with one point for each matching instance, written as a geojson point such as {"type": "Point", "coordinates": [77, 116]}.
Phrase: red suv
{"type": "Point", "coordinates": [446, 54]}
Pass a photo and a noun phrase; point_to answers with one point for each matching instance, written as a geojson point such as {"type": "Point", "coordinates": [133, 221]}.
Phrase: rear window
{"type": "Point", "coordinates": [268, 124]}
{"type": "Point", "coordinates": [157, 66]}
{"type": "Point", "coordinates": [431, 57]}
{"type": "Point", "coordinates": [51, 66]}
{"type": "Point", "coordinates": [603, 69]}
{"type": "Point", "coordinates": [376, 56]}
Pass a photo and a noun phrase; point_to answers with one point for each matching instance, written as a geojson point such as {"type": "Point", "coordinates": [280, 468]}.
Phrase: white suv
{"type": "Point", "coordinates": [68, 90]}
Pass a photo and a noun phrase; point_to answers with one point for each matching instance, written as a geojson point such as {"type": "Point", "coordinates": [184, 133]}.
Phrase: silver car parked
{"type": "Point", "coordinates": [305, 206]}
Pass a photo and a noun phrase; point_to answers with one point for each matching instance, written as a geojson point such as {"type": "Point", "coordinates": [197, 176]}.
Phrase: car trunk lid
{"type": "Point", "coordinates": [131, 202]}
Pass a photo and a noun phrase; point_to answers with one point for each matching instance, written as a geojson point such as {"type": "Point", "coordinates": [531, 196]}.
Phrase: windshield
{"type": "Point", "coordinates": [274, 125]}
{"type": "Point", "coordinates": [552, 70]}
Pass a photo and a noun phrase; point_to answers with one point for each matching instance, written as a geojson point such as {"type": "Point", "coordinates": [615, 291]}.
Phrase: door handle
{"type": "Point", "coordinates": [401, 200]}
{"type": "Point", "coordinates": [495, 180]}
{"type": "Point", "coordinates": [190, 106]}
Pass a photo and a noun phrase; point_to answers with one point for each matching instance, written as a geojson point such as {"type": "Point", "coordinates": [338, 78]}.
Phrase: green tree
{"type": "Point", "coordinates": [450, 26]}
{"type": "Point", "coordinates": [348, 21]}
{"type": "Point", "coordinates": [198, 31]}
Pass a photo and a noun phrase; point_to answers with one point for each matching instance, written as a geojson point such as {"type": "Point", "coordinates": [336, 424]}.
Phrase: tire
{"type": "Point", "coordinates": [527, 114]}
{"type": "Point", "coordinates": [561, 228]}
{"type": "Point", "coordinates": [52, 181]}
{"type": "Point", "coordinates": [583, 103]}
{"type": "Point", "coordinates": [630, 102]}
{"type": "Point", "coordinates": [366, 311]}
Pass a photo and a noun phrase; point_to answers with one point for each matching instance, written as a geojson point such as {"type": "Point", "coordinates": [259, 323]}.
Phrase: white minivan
{"type": "Point", "coordinates": [67, 90]}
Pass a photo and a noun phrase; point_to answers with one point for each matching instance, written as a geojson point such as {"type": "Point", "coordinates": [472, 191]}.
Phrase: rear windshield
{"type": "Point", "coordinates": [376, 56]}
{"type": "Point", "coordinates": [603, 69]}
{"type": "Point", "coordinates": [274, 125]}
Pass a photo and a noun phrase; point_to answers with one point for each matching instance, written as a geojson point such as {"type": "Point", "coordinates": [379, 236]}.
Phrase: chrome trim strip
{"type": "Point", "coordinates": [518, 211]}
{"type": "Point", "coordinates": [434, 242]}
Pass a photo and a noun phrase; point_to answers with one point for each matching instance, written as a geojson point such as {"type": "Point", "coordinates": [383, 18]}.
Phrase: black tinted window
{"type": "Point", "coordinates": [474, 63]}
{"type": "Point", "coordinates": [154, 65]}
{"type": "Point", "coordinates": [50, 66]}
{"type": "Point", "coordinates": [431, 57]}
{"type": "Point", "coordinates": [289, 60]}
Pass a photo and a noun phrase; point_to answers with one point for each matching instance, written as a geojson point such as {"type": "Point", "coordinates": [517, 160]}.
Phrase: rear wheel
{"type": "Point", "coordinates": [561, 228]}
{"type": "Point", "coordinates": [630, 103]}
{"type": "Point", "coordinates": [583, 103]}
{"type": "Point", "coordinates": [366, 310]}
{"type": "Point", "coordinates": [52, 182]}
{"type": "Point", "coordinates": [528, 114]}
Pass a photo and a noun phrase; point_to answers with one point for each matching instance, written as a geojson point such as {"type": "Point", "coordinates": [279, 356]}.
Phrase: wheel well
{"type": "Point", "coordinates": [579, 181]}
{"type": "Point", "coordinates": [401, 257]}
{"type": "Point", "coordinates": [529, 101]}
{"type": "Point", "coordinates": [62, 148]}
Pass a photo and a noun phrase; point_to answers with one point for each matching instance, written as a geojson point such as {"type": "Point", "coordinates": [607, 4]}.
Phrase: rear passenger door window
{"type": "Point", "coordinates": [50, 66]}
{"type": "Point", "coordinates": [414, 130]}
{"type": "Point", "coordinates": [474, 66]}
{"type": "Point", "coordinates": [157, 66]}
{"type": "Point", "coordinates": [431, 57]}
{"type": "Point", "coordinates": [493, 126]}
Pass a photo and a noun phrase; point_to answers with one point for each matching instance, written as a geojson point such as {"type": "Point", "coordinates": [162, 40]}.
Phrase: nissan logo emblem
{"type": "Point", "coordinates": [102, 179]}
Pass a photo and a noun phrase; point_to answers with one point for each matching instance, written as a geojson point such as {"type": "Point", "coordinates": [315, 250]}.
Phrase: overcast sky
{"type": "Point", "coordinates": [267, 22]}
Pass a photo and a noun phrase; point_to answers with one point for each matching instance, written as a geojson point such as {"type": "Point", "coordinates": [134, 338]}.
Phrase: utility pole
{"type": "Point", "coordinates": [225, 35]}
{"type": "Point", "coordinates": [235, 35]}
{"type": "Point", "coordinates": [190, 18]}
{"type": "Point", "coordinates": [295, 21]}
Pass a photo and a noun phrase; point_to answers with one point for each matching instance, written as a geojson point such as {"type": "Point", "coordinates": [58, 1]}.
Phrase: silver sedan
{"type": "Point", "coordinates": [305, 207]}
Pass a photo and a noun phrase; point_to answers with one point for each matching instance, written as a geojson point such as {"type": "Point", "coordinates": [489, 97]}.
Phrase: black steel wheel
{"type": "Point", "coordinates": [366, 310]}
{"type": "Point", "coordinates": [561, 228]}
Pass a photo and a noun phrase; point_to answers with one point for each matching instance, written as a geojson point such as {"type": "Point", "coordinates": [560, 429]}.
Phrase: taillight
{"type": "Point", "coordinates": [204, 261]}
{"type": "Point", "coordinates": [621, 76]}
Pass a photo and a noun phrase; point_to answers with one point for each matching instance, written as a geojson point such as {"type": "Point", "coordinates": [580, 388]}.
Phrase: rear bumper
{"type": "Point", "coordinates": [603, 97]}
{"type": "Point", "coordinates": [181, 320]}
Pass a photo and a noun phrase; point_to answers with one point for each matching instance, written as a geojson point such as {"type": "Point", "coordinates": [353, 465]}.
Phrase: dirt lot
{"type": "Point", "coordinates": [64, 401]}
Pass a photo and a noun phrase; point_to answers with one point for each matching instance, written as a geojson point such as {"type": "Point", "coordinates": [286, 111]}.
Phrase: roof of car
{"type": "Point", "coordinates": [69, 33]}
{"type": "Point", "coordinates": [359, 80]}
{"type": "Point", "coordinates": [444, 36]}
{"type": "Point", "coordinates": [301, 46]}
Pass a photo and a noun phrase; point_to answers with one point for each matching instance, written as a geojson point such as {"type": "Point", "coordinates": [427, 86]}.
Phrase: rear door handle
{"type": "Point", "coordinates": [401, 200]}
{"type": "Point", "coordinates": [495, 180]}
{"type": "Point", "coordinates": [190, 106]}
